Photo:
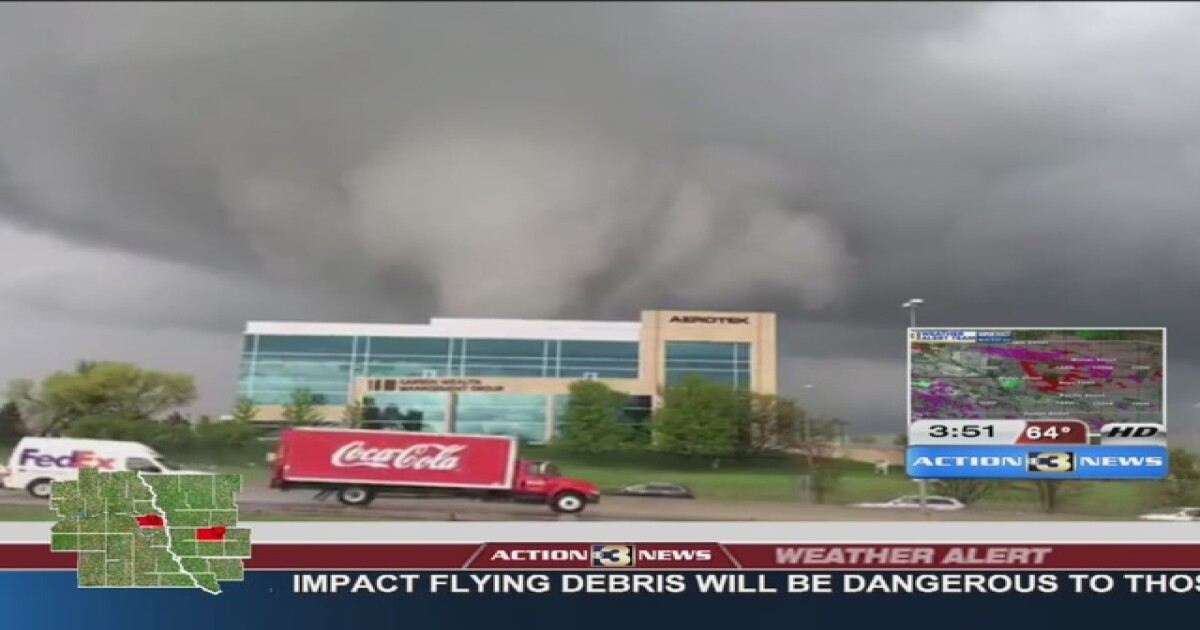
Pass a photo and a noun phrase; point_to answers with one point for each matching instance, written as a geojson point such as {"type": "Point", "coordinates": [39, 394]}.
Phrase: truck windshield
{"type": "Point", "coordinates": [549, 470]}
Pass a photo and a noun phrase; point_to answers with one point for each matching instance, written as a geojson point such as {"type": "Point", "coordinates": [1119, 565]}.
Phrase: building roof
{"type": "Point", "coordinates": [462, 329]}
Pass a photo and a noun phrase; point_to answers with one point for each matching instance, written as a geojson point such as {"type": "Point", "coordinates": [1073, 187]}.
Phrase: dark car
{"type": "Point", "coordinates": [656, 490]}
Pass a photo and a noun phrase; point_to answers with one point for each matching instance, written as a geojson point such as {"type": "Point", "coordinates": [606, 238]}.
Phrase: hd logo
{"type": "Point", "coordinates": [613, 556]}
{"type": "Point", "coordinates": [1048, 462]}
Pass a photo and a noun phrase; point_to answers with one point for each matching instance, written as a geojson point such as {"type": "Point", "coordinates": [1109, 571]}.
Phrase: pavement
{"type": "Point", "coordinates": [263, 500]}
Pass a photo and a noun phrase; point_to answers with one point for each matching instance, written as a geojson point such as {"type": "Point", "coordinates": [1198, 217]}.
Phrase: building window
{"type": "Point", "coordinates": [305, 344]}
{"type": "Point", "coordinates": [271, 379]}
{"type": "Point", "coordinates": [727, 363]}
{"type": "Point", "coordinates": [501, 357]}
{"type": "Point", "coordinates": [407, 411]}
{"type": "Point", "coordinates": [605, 359]}
{"type": "Point", "coordinates": [517, 415]}
{"type": "Point", "coordinates": [409, 347]}
{"type": "Point", "coordinates": [637, 412]}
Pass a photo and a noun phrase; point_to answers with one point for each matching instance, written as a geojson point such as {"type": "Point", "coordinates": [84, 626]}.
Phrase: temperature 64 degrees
{"type": "Point", "coordinates": [1054, 432]}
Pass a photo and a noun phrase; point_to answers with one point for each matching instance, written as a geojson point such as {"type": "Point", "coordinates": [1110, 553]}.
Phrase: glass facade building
{"type": "Point", "coordinates": [505, 377]}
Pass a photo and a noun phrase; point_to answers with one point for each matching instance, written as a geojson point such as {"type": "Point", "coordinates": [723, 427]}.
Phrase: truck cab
{"type": "Point", "coordinates": [543, 480]}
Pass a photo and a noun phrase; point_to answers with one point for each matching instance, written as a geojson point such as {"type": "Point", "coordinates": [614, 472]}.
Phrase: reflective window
{"type": "Point", "coordinates": [627, 350]}
{"type": "Point", "coordinates": [503, 348]}
{"type": "Point", "coordinates": [271, 379]}
{"type": "Point", "coordinates": [519, 415]}
{"type": "Point", "coordinates": [638, 410]}
{"type": "Point", "coordinates": [407, 411]}
{"type": "Point", "coordinates": [410, 367]}
{"type": "Point", "coordinates": [727, 363]}
{"type": "Point", "coordinates": [529, 368]}
{"type": "Point", "coordinates": [305, 344]}
{"type": "Point", "coordinates": [409, 347]}
{"type": "Point", "coordinates": [700, 350]}
{"type": "Point", "coordinates": [502, 357]}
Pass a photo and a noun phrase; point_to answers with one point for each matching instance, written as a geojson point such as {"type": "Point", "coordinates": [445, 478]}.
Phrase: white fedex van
{"type": "Point", "coordinates": [36, 461]}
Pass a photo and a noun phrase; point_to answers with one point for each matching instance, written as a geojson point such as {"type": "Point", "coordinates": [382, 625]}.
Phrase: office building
{"type": "Point", "coordinates": [498, 376]}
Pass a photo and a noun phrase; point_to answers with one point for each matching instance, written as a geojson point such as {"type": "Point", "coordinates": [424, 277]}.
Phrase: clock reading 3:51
{"type": "Point", "coordinates": [969, 431]}
{"type": "Point", "coordinates": [979, 432]}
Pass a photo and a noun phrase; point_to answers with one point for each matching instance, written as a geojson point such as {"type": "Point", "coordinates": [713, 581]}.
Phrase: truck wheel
{"type": "Point", "coordinates": [356, 495]}
{"type": "Point", "coordinates": [568, 503]}
{"type": "Point", "coordinates": [39, 488]}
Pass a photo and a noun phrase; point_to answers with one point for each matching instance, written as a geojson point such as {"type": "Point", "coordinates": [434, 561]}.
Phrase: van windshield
{"type": "Point", "coordinates": [168, 465]}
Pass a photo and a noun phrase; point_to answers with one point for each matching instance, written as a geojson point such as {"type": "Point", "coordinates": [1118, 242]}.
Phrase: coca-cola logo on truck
{"type": "Point", "coordinates": [444, 457]}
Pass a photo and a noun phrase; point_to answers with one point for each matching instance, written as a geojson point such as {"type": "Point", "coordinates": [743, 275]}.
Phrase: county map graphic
{"type": "Point", "coordinates": [135, 529]}
{"type": "Point", "coordinates": [1098, 376]}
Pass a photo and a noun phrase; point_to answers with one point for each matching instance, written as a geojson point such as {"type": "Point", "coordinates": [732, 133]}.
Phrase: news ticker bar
{"type": "Point", "coordinates": [678, 556]}
{"type": "Point", "coordinates": [1042, 462]}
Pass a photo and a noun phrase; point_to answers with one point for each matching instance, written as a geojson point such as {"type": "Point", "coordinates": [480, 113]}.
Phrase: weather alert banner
{"type": "Point", "coordinates": [650, 584]}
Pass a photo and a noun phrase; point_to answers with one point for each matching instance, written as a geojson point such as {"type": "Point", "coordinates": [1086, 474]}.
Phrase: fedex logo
{"type": "Point", "coordinates": [76, 459]}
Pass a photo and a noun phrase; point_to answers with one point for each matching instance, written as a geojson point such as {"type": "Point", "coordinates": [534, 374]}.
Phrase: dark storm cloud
{"type": "Point", "coordinates": [1014, 164]}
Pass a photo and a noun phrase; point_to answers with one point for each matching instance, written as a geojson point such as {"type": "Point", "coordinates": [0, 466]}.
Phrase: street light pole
{"type": "Point", "coordinates": [912, 305]}
{"type": "Point", "coordinates": [807, 437]}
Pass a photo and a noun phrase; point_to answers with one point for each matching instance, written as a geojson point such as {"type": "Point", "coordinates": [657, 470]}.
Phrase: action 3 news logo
{"type": "Point", "coordinates": [614, 556]}
{"type": "Point", "coordinates": [1050, 462]}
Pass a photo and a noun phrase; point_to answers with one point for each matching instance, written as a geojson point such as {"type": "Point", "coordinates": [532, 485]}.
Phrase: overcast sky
{"type": "Point", "coordinates": [169, 171]}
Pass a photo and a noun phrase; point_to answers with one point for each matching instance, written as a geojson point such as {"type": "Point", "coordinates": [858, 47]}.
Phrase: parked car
{"type": "Point", "coordinates": [661, 490]}
{"type": "Point", "coordinates": [940, 504]}
{"type": "Point", "coordinates": [1181, 514]}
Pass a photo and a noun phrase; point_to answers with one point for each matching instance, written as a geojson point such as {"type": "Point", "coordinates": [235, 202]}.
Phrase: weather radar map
{"type": "Point", "coordinates": [1099, 376]}
{"type": "Point", "coordinates": [143, 530]}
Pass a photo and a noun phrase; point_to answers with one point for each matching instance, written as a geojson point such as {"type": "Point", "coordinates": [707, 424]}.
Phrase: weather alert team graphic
{"type": "Point", "coordinates": [1037, 404]}
{"type": "Point", "coordinates": [134, 529]}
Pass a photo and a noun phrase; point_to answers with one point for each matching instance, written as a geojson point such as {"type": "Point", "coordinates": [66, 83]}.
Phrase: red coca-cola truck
{"type": "Point", "coordinates": [360, 465]}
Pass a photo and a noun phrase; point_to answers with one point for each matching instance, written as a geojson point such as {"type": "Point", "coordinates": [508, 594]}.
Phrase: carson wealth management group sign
{"type": "Point", "coordinates": [431, 385]}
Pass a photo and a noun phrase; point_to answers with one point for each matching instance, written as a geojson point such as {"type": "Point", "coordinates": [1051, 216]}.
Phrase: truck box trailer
{"type": "Point", "coordinates": [359, 465]}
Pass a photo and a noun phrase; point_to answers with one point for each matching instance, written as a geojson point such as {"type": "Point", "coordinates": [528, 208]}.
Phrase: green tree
{"type": "Point", "coordinates": [169, 438]}
{"type": "Point", "coordinates": [100, 389]}
{"type": "Point", "coordinates": [244, 410]}
{"type": "Point", "coordinates": [353, 415]}
{"type": "Point", "coordinates": [224, 436]}
{"type": "Point", "coordinates": [12, 426]}
{"type": "Point", "coordinates": [824, 477]}
{"type": "Point", "coordinates": [698, 417]}
{"type": "Point", "coordinates": [772, 424]}
{"type": "Point", "coordinates": [1052, 494]}
{"type": "Point", "coordinates": [1182, 485]}
{"type": "Point", "coordinates": [594, 421]}
{"type": "Point", "coordinates": [901, 440]}
{"type": "Point", "coordinates": [302, 407]}
{"type": "Point", "coordinates": [817, 443]}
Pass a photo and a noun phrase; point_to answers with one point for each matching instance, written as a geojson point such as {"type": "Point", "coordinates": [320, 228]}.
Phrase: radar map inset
{"type": "Point", "coordinates": [1098, 376]}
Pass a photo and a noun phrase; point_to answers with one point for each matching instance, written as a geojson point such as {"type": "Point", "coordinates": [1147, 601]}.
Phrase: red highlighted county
{"type": "Point", "coordinates": [149, 520]}
{"type": "Point", "coordinates": [210, 534]}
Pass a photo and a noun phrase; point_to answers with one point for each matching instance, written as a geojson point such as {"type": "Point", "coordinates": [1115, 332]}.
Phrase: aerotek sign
{"type": "Point", "coordinates": [695, 319]}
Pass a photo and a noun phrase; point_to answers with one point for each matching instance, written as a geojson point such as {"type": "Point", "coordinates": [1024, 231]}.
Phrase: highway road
{"type": "Point", "coordinates": [264, 501]}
